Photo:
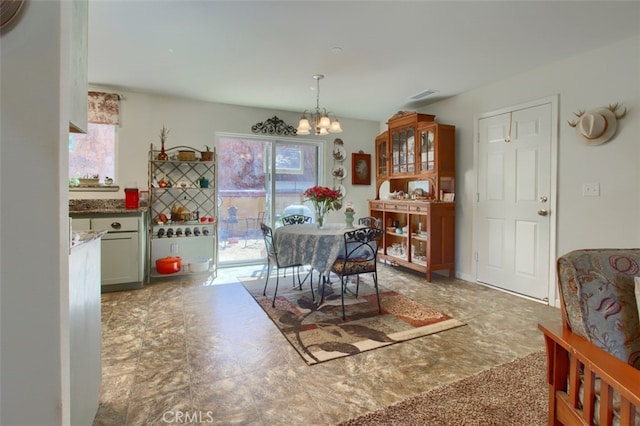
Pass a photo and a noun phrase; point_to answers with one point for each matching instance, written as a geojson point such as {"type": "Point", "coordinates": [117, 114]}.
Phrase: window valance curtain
{"type": "Point", "coordinates": [104, 108]}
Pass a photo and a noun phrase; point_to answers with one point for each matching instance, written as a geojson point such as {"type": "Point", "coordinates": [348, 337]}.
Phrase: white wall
{"type": "Point", "coordinates": [195, 123]}
{"type": "Point", "coordinates": [34, 363]}
{"type": "Point", "coordinates": [586, 81]}
{"type": "Point", "coordinates": [594, 79]}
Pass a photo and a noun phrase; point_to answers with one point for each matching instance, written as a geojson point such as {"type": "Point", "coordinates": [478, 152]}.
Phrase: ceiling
{"type": "Point", "coordinates": [375, 55]}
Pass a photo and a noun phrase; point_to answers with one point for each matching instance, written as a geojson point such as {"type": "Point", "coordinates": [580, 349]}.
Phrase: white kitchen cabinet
{"type": "Point", "coordinates": [123, 248]}
{"type": "Point", "coordinates": [81, 224]}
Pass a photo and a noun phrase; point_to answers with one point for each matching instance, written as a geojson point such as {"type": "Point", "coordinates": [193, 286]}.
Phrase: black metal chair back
{"type": "Point", "coordinates": [272, 258]}
{"type": "Point", "coordinates": [360, 257]}
{"type": "Point", "coordinates": [360, 250]}
{"type": "Point", "coordinates": [296, 219]}
{"type": "Point", "coordinates": [267, 234]}
{"type": "Point", "coordinates": [370, 221]}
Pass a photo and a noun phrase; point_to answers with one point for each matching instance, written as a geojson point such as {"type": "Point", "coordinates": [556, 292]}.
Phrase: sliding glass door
{"type": "Point", "coordinates": [260, 179]}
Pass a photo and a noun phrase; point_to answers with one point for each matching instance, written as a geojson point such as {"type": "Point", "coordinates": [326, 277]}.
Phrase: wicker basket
{"type": "Point", "coordinates": [186, 155]}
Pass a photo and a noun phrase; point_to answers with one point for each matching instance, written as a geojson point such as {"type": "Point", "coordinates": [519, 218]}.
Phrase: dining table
{"type": "Point", "coordinates": [306, 244]}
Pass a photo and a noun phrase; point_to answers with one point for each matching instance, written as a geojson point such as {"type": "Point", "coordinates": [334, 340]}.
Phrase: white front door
{"type": "Point", "coordinates": [513, 200]}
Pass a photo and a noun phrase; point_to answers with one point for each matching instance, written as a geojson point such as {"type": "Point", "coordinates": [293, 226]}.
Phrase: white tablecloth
{"type": "Point", "coordinates": [308, 245]}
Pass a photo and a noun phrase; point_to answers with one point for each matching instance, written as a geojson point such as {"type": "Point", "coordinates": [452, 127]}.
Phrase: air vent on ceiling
{"type": "Point", "coordinates": [423, 94]}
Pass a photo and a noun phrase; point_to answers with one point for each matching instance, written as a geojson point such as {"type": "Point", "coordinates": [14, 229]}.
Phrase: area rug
{"type": "Point", "coordinates": [320, 334]}
{"type": "Point", "coordinates": [514, 393]}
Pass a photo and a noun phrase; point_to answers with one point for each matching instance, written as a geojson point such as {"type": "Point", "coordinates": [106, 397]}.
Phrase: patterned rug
{"type": "Point", "coordinates": [320, 334]}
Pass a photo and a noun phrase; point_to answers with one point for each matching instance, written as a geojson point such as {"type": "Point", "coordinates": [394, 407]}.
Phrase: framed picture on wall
{"type": "Point", "coordinates": [361, 169]}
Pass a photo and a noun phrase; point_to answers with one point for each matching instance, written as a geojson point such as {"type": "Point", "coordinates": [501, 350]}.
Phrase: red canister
{"type": "Point", "coordinates": [131, 198]}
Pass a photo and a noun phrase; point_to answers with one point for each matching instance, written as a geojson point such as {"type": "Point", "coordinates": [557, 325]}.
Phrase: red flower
{"type": "Point", "coordinates": [322, 196]}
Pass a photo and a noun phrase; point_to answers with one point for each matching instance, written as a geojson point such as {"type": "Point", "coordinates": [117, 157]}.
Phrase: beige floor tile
{"type": "Point", "coordinates": [207, 352]}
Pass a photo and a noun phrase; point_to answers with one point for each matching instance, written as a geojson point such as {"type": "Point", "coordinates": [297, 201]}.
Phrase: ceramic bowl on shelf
{"type": "Point", "coordinates": [199, 265]}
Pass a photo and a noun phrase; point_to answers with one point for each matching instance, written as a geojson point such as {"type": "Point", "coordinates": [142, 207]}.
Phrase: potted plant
{"type": "Point", "coordinates": [206, 155]}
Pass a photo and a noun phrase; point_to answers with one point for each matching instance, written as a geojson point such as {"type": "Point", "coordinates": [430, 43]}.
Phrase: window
{"type": "Point", "coordinates": [93, 153]}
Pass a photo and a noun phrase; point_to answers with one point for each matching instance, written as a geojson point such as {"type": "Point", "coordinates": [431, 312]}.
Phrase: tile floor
{"type": "Point", "coordinates": [189, 351]}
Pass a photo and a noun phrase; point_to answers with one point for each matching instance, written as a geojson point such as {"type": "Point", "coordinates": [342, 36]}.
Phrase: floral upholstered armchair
{"type": "Point", "coordinates": [597, 290]}
{"type": "Point", "coordinates": [594, 358]}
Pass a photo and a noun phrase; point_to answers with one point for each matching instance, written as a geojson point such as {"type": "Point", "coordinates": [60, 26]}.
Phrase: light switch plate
{"type": "Point", "coordinates": [590, 189]}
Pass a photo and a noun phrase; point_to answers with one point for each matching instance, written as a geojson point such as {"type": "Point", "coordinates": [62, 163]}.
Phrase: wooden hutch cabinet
{"type": "Point", "coordinates": [436, 156]}
{"type": "Point", "coordinates": [403, 128]}
{"type": "Point", "coordinates": [382, 156]}
{"type": "Point", "coordinates": [416, 152]}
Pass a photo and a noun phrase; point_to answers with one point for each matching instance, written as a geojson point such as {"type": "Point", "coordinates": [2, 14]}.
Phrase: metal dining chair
{"type": "Point", "coordinates": [360, 257]}
{"type": "Point", "coordinates": [272, 259]}
{"type": "Point", "coordinates": [370, 221]}
{"type": "Point", "coordinates": [296, 219]}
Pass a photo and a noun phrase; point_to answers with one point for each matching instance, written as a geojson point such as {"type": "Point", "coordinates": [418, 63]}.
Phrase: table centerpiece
{"type": "Point", "coordinates": [324, 200]}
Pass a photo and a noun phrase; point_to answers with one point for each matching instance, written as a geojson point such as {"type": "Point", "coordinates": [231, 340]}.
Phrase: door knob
{"type": "Point", "coordinates": [543, 212]}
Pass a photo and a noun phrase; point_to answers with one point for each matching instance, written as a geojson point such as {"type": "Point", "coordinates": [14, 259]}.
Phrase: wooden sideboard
{"type": "Point", "coordinates": [427, 240]}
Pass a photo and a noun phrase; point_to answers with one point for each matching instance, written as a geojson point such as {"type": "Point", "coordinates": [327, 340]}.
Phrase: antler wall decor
{"type": "Point", "coordinates": [599, 125]}
{"type": "Point", "coordinates": [611, 107]}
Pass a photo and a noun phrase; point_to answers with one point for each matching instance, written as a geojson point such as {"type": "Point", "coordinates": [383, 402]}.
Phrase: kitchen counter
{"type": "Point", "coordinates": [81, 237]}
{"type": "Point", "coordinates": [108, 211]}
{"type": "Point", "coordinates": [106, 206]}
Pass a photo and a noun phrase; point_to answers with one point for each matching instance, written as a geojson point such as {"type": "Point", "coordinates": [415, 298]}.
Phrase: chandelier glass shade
{"type": "Point", "coordinates": [318, 120]}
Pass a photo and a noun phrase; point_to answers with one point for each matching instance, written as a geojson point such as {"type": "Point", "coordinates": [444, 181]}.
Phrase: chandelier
{"type": "Point", "coordinates": [322, 124]}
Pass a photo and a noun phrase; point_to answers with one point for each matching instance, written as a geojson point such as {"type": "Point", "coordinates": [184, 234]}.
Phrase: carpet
{"type": "Point", "coordinates": [514, 393]}
{"type": "Point", "coordinates": [320, 334]}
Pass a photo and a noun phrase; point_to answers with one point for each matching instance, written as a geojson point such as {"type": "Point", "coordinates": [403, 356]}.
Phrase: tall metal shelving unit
{"type": "Point", "coordinates": [192, 234]}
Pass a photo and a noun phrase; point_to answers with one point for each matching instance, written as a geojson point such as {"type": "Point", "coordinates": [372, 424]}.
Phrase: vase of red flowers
{"type": "Point", "coordinates": [324, 200]}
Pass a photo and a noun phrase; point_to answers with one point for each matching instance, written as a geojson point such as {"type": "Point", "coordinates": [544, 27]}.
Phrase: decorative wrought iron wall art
{"type": "Point", "coordinates": [274, 126]}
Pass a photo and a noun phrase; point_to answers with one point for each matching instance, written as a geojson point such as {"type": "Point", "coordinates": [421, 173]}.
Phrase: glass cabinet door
{"type": "Point", "coordinates": [403, 150]}
{"type": "Point", "coordinates": [411, 147]}
{"type": "Point", "coordinates": [382, 157]}
{"type": "Point", "coordinates": [427, 149]}
{"type": "Point", "coordinates": [395, 152]}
